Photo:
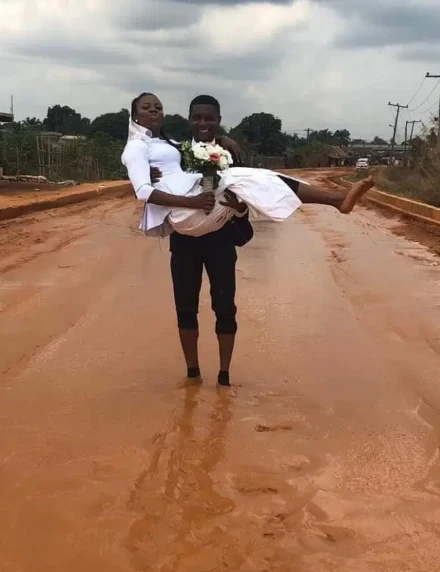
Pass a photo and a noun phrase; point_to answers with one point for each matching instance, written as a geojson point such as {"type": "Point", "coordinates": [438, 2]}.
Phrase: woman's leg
{"type": "Point", "coordinates": [342, 200]}
{"type": "Point", "coordinates": [186, 272]}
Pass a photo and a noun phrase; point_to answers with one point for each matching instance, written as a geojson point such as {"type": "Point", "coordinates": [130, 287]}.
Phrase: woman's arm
{"type": "Point", "coordinates": [138, 167]}
{"type": "Point", "coordinates": [203, 201]}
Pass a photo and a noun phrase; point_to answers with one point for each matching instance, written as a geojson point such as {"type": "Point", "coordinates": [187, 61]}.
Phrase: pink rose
{"type": "Point", "coordinates": [214, 157]}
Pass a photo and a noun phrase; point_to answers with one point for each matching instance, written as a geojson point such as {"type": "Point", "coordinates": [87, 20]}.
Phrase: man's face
{"type": "Point", "coordinates": [204, 121]}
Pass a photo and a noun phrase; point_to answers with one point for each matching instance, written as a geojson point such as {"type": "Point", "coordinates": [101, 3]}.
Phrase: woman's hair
{"type": "Point", "coordinates": [136, 100]}
{"type": "Point", "coordinates": [162, 133]}
{"type": "Point", "coordinates": [134, 105]}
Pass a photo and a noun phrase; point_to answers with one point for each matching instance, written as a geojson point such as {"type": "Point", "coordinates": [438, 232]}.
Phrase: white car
{"type": "Point", "coordinates": [362, 164]}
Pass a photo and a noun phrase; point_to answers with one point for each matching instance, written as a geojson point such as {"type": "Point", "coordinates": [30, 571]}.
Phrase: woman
{"type": "Point", "coordinates": [148, 147]}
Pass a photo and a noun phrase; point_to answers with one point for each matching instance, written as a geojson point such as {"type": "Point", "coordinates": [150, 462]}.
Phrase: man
{"type": "Point", "coordinates": [216, 252]}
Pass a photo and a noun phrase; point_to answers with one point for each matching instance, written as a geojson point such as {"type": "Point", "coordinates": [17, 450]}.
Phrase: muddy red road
{"type": "Point", "coordinates": [324, 458]}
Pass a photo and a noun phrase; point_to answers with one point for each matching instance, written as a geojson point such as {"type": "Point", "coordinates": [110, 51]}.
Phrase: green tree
{"type": "Point", "coordinates": [113, 124]}
{"type": "Point", "coordinates": [342, 137]}
{"type": "Point", "coordinates": [18, 150]}
{"type": "Point", "coordinates": [379, 141]}
{"type": "Point", "coordinates": [32, 122]}
{"type": "Point", "coordinates": [294, 141]}
{"type": "Point", "coordinates": [322, 136]}
{"type": "Point", "coordinates": [262, 133]}
{"type": "Point", "coordinates": [66, 120]}
{"type": "Point", "coordinates": [176, 127]}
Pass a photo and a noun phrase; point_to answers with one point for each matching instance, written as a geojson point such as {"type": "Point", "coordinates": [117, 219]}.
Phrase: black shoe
{"type": "Point", "coordinates": [223, 378]}
{"type": "Point", "coordinates": [193, 372]}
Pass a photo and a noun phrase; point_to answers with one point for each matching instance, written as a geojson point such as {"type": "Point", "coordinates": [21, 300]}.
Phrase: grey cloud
{"type": "Point", "coordinates": [380, 24]}
{"type": "Point", "coordinates": [255, 66]}
{"type": "Point", "coordinates": [172, 14]}
{"type": "Point", "coordinates": [67, 50]}
{"type": "Point", "coordinates": [140, 40]}
{"type": "Point", "coordinates": [83, 56]}
{"type": "Point", "coordinates": [233, 2]}
{"type": "Point", "coordinates": [421, 54]}
{"type": "Point", "coordinates": [155, 15]}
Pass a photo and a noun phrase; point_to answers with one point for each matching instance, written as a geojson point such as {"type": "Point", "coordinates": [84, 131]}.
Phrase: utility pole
{"type": "Point", "coordinates": [438, 120]}
{"type": "Point", "coordinates": [308, 134]}
{"type": "Point", "coordinates": [406, 140]}
{"type": "Point", "coordinates": [412, 129]}
{"type": "Point", "coordinates": [399, 107]}
{"type": "Point", "coordinates": [412, 123]}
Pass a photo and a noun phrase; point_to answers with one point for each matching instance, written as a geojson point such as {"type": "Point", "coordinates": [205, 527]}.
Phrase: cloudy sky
{"type": "Point", "coordinates": [313, 63]}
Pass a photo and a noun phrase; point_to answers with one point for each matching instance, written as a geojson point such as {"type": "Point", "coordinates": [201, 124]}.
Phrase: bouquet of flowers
{"type": "Point", "coordinates": [206, 159]}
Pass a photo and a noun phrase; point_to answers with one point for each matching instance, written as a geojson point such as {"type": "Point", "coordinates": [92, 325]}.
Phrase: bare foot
{"type": "Point", "coordinates": [356, 192]}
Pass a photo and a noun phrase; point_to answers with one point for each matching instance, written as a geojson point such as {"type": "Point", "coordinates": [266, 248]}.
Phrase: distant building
{"type": "Point", "coordinates": [6, 117]}
{"type": "Point", "coordinates": [336, 156]}
{"type": "Point", "coordinates": [378, 154]}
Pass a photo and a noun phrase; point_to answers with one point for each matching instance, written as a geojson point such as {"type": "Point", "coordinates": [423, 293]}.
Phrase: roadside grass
{"type": "Point", "coordinates": [410, 183]}
{"type": "Point", "coordinates": [358, 176]}
{"type": "Point", "coordinates": [403, 182]}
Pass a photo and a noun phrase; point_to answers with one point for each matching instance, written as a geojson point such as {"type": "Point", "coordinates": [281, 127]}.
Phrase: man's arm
{"type": "Point", "coordinates": [231, 201]}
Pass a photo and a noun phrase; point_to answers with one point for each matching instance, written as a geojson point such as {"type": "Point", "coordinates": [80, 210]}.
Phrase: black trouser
{"type": "Point", "coordinates": [216, 252]}
{"type": "Point", "coordinates": [294, 185]}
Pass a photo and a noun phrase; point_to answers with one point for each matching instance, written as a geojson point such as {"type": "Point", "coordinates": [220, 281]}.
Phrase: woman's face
{"type": "Point", "coordinates": [149, 112]}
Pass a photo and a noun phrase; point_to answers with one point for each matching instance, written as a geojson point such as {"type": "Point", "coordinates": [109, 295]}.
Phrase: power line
{"type": "Point", "coordinates": [417, 92]}
{"type": "Point", "coordinates": [423, 102]}
{"type": "Point", "coordinates": [427, 110]}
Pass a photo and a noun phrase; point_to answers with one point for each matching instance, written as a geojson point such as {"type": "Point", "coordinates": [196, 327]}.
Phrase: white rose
{"type": "Point", "coordinates": [228, 157]}
{"type": "Point", "coordinates": [200, 152]}
{"type": "Point", "coordinates": [223, 163]}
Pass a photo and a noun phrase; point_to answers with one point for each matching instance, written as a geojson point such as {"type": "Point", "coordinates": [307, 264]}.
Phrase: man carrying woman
{"type": "Point", "coordinates": [150, 152]}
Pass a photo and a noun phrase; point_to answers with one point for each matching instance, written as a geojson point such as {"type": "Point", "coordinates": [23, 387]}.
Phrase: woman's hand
{"type": "Point", "coordinates": [204, 202]}
{"type": "Point", "coordinates": [233, 147]}
{"type": "Point", "coordinates": [232, 202]}
{"type": "Point", "coordinates": [155, 174]}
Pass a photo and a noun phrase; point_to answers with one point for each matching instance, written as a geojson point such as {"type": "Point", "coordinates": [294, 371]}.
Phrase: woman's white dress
{"type": "Point", "coordinates": [266, 195]}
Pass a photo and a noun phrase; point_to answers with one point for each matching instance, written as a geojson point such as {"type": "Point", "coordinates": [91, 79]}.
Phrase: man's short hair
{"type": "Point", "coordinates": [205, 100]}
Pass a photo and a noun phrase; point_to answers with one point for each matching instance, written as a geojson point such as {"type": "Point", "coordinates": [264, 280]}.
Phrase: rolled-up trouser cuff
{"type": "Point", "coordinates": [187, 321]}
{"type": "Point", "coordinates": [226, 325]}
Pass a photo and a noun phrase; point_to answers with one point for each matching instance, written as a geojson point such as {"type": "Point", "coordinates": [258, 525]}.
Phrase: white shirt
{"type": "Point", "coordinates": [262, 190]}
{"type": "Point", "coordinates": [139, 156]}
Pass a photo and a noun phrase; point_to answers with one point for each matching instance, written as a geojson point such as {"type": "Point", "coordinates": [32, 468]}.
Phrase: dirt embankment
{"type": "Point", "coordinates": [405, 225]}
{"type": "Point", "coordinates": [20, 198]}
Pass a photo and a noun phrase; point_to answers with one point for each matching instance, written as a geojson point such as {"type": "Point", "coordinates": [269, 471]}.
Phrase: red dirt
{"type": "Point", "coordinates": [323, 458]}
{"type": "Point", "coordinates": [415, 230]}
{"type": "Point", "coordinates": [30, 197]}
{"type": "Point", "coordinates": [8, 187]}
{"type": "Point", "coordinates": [17, 194]}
